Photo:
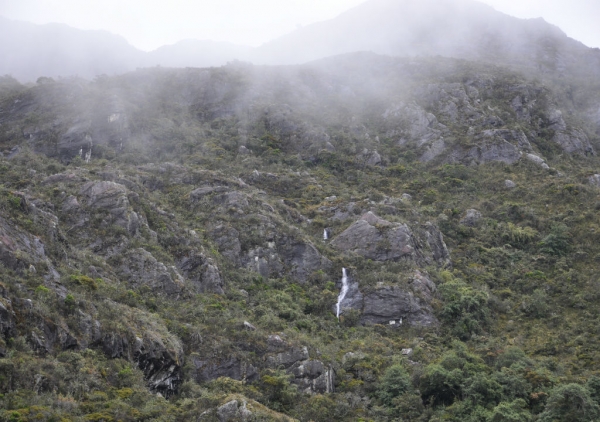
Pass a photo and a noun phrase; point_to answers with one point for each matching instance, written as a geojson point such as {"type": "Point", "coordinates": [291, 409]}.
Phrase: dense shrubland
{"type": "Point", "coordinates": [517, 339]}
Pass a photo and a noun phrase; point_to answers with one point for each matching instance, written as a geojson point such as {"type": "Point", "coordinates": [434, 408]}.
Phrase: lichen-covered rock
{"type": "Point", "coordinates": [536, 159]}
{"type": "Point", "coordinates": [140, 268]}
{"type": "Point", "coordinates": [471, 218]}
{"type": "Point", "coordinates": [112, 197]}
{"type": "Point", "coordinates": [377, 239]}
{"type": "Point", "coordinates": [203, 273]}
{"type": "Point", "coordinates": [234, 411]}
{"type": "Point", "coordinates": [311, 376]}
{"type": "Point", "coordinates": [573, 141]}
{"type": "Point", "coordinates": [143, 339]}
{"type": "Point", "coordinates": [234, 368]}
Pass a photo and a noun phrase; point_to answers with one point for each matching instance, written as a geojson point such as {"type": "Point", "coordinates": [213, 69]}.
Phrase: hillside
{"type": "Point", "coordinates": [172, 244]}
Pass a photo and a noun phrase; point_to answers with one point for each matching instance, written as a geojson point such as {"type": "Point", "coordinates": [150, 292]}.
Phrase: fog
{"type": "Point", "coordinates": [203, 34]}
{"type": "Point", "coordinates": [148, 25]}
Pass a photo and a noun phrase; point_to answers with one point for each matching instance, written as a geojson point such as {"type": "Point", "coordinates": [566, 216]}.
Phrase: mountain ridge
{"type": "Point", "coordinates": [396, 28]}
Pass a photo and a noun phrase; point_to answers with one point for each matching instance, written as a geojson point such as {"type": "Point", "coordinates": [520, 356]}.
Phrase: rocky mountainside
{"type": "Point", "coordinates": [172, 243]}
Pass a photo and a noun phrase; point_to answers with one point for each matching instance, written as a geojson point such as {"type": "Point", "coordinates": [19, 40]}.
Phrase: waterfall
{"type": "Point", "coordinates": [325, 237]}
{"type": "Point", "coordinates": [343, 292]}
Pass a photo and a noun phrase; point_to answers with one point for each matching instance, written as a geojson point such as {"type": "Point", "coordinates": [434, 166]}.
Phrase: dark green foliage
{"type": "Point", "coordinates": [394, 382]}
{"type": "Point", "coordinates": [465, 308]}
{"type": "Point", "coordinates": [558, 242]}
{"type": "Point", "coordinates": [570, 402]}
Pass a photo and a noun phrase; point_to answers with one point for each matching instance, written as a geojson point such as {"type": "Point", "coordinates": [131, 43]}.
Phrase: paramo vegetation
{"type": "Point", "coordinates": [162, 250]}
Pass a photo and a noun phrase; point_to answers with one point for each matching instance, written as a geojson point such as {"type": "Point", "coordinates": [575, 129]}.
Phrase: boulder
{"type": "Point", "coordinates": [536, 159]}
{"type": "Point", "coordinates": [471, 218]}
{"type": "Point", "coordinates": [509, 184]}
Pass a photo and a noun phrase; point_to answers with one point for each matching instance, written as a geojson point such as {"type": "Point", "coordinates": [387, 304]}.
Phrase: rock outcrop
{"type": "Point", "coordinates": [377, 239]}
{"type": "Point", "coordinates": [140, 268]}
{"type": "Point", "coordinates": [234, 368]}
{"type": "Point", "coordinates": [393, 305]}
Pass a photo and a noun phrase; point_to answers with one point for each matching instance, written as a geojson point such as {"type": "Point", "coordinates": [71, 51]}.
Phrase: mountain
{"type": "Point", "coordinates": [29, 51]}
{"type": "Point", "coordinates": [359, 237]}
{"type": "Point", "coordinates": [178, 244]}
{"type": "Point", "coordinates": [195, 53]}
{"type": "Point", "coordinates": [404, 28]}
{"type": "Point", "coordinates": [448, 28]}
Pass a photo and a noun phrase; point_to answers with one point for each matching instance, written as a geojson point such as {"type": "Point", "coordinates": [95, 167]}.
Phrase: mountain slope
{"type": "Point", "coordinates": [173, 243]}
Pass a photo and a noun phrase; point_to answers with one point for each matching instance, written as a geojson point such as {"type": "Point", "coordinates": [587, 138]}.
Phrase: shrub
{"type": "Point", "coordinates": [558, 242]}
{"type": "Point", "coordinates": [394, 382]}
{"type": "Point", "coordinates": [570, 402]}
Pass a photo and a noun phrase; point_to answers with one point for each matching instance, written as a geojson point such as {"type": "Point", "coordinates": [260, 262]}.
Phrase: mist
{"type": "Point", "coordinates": [451, 28]}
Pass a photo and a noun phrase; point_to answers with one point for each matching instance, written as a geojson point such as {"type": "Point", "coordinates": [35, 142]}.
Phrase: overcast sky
{"type": "Point", "coordinates": [148, 24]}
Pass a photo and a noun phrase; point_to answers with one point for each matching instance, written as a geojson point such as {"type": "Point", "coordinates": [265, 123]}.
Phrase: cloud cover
{"type": "Point", "coordinates": [148, 24]}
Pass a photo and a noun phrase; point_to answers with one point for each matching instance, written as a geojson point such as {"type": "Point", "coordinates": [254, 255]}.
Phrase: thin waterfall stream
{"type": "Point", "coordinates": [343, 292]}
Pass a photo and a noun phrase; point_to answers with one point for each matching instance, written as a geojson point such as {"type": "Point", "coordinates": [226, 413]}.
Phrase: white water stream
{"type": "Point", "coordinates": [343, 292]}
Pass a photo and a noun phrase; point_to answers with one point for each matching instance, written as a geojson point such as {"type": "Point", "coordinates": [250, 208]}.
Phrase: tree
{"type": "Point", "coordinates": [394, 382]}
{"type": "Point", "coordinates": [570, 402]}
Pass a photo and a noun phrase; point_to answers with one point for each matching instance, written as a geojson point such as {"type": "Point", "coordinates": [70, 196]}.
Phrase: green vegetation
{"type": "Point", "coordinates": [86, 319]}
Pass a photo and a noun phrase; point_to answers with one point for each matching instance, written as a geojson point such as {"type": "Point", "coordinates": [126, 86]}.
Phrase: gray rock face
{"type": "Point", "coordinates": [234, 411]}
{"type": "Point", "coordinates": [571, 141]}
{"type": "Point", "coordinates": [372, 158]}
{"type": "Point", "coordinates": [509, 184]}
{"type": "Point", "coordinates": [7, 322]}
{"type": "Point", "coordinates": [301, 258]}
{"type": "Point", "coordinates": [22, 252]}
{"type": "Point", "coordinates": [139, 267]}
{"type": "Point", "coordinates": [594, 180]}
{"type": "Point", "coordinates": [112, 197]}
{"type": "Point", "coordinates": [311, 376]}
{"type": "Point", "coordinates": [495, 145]}
{"type": "Point", "coordinates": [380, 240]}
{"type": "Point", "coordinates": [471, 218]}
{"type": "Point", "coordinates": [207, 370]}
{"type": "Point", "coordinates": [411, 123]}
{"type": "Point", "coordinates": [395, 305]}
{"type": "Point", "coordinates": [203, 274]}
{"type": "Point", "coordinates": [228, 242]}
